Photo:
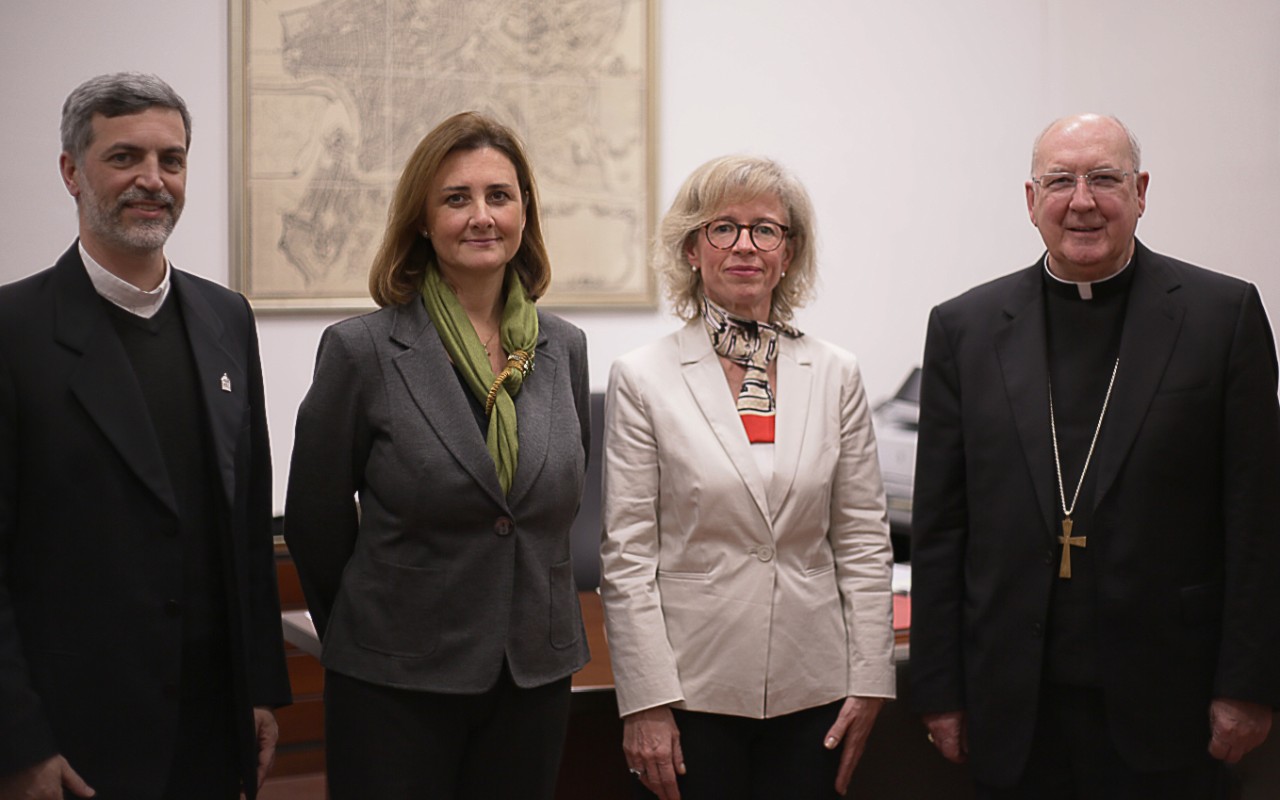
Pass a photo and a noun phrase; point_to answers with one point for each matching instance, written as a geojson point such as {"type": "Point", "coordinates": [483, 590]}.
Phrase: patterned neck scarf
{"type": "Point", "coordinates": [753, 345]}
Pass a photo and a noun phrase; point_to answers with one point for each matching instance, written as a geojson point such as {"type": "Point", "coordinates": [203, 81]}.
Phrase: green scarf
{"type": "Point", "coordinates": [519, 336]}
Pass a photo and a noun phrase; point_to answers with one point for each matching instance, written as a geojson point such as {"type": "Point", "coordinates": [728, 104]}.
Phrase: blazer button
{"type": "Point", "coordinates": [173, 608]}
{"type": "Point", "coordinates": [764, 552]}
{"type": "Point", "coordinates": [503, 526]}
{"type": "Point", "coordinates": [1037, 630]}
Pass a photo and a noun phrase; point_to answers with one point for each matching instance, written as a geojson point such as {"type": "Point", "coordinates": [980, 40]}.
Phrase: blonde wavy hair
{"type": "Point", "coordinates": [711, 187]}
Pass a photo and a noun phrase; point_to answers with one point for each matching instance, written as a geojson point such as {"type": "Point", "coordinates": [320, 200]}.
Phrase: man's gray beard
{"type": "Point", "coordinates": [107, 223]}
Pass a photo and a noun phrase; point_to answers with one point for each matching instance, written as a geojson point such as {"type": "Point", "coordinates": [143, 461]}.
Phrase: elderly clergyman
{"type": "Point", "coordinates": [1096, 535]}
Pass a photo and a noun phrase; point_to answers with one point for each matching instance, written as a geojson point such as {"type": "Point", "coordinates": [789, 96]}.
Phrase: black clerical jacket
{"type": "Point", "coordinates": [90, 552]}
{"type": "Point", "coordinates": [1186, 515]}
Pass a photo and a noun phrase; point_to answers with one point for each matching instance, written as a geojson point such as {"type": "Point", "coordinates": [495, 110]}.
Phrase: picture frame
{"type": "Point", "coordinates": [329, 98]}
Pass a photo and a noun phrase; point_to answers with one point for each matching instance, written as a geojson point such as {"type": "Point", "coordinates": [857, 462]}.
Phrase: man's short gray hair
{"type": "Point", "coordinates": [114, 96]}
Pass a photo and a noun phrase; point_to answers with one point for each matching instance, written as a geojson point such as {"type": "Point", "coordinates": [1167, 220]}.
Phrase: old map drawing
{"type": "Point", "coordinates": [333, 95]}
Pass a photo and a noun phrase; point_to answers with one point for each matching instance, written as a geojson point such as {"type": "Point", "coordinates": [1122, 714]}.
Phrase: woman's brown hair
{"type": "Point", "coordinates": [401, 263]}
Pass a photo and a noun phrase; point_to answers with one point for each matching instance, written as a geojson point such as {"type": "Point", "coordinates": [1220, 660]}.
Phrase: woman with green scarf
{"type": "Point", "coordinates": [437, 468]}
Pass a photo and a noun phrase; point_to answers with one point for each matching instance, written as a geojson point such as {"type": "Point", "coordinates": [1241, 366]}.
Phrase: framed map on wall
{"type": "Point", "coordinates": [329, 98]}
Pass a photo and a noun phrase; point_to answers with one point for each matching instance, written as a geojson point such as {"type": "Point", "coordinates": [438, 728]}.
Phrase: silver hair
{"type": "Point", "coordinates": [114, 95]}
{"type": "Point", "coordinates": [710, 188]}
{"type": "Point", "coordinates": [1135, 148]}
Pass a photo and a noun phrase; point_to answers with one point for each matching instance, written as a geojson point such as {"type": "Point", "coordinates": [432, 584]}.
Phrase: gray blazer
{"type": "Point", "coordinates": [435, 577]}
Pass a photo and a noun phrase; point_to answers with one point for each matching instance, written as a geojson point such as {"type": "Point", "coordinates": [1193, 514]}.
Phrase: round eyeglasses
{"type": "Point", "coordinates": [723, 234]}
{"type": "Point", "coordinates": [1099, 181]}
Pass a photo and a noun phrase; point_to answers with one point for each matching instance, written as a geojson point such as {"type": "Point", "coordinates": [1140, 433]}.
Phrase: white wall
{"type": "Point", "coordinates": [910, 122]}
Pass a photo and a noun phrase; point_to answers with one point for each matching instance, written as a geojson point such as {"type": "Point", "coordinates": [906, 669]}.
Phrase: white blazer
{"type": "Point", "coordinates": [728, 591]}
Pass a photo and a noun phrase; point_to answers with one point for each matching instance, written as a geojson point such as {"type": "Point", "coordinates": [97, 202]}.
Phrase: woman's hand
{"type": "Point", "coordinates": [852, 726]}
{"type": "Point", "coordinates": [651, 743]}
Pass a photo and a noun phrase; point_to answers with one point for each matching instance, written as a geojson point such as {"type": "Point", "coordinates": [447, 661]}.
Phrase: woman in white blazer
{"type": "Point", "coordinates": [746, 557]}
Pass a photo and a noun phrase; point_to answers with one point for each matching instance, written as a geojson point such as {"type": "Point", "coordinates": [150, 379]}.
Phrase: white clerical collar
{"type": "Point", "coordinates": [125, 294]}
{"type": "Point", "coordinates": [1085, 288]}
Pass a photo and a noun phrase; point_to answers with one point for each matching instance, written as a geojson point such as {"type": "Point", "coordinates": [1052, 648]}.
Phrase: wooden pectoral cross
{"type": "Point", "coordinates": [1068, 541]}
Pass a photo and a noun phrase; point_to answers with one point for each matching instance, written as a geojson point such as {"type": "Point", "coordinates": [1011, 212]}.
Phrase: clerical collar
{"type": "Point", "coordinates": [1086, 289]}
{"type": "Point", "coordinates": [125, 294]}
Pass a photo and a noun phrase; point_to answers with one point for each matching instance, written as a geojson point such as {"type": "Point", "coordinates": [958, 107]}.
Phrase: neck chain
{"type": "Point", "coordinates": [1067, 540]}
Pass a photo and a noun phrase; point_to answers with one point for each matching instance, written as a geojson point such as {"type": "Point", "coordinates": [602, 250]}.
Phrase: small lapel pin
{"type": "Point", "coordinates": [226, 383]}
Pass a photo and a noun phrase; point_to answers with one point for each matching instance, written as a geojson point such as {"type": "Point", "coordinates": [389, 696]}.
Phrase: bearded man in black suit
{"type": "Point", "coordinates": [140, 639]}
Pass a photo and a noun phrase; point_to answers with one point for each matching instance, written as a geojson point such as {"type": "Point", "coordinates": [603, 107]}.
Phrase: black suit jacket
{"type": "Point", "coordinates": [1186, 508]}
{"type": "Point", "coordinates": [90, 647]}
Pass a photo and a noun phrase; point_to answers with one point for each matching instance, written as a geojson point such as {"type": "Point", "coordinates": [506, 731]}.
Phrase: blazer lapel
{"type": "Point", "coordinates": [225, 401]}
{"type": "Point", "coordinates": [105, 383]}
{"type": "Point", "coordinates": [427, 373]}
{"type": "Point", "coordinates": [705, 378]}
{"type": "Point", "coordinates": [533, 426]}
{"type": "Point", "coordinates": [795, 382]}
{"type": "Point", "coordinates": [1022, 350]}
{"type": "Point", "coordinates": [1151, 325]}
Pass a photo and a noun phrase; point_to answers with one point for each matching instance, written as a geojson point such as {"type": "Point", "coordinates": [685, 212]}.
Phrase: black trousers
{"type": "Point", "coordinates": [1073, 758]}
{"type": "Point", "coordinates": [389, 743]}
{"type": "Point", "coordinates": [205, 762]}
{"type": "Point", "coordinates": [738, 758]}
{"type": "Point", "coordinates": [206, 748]}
